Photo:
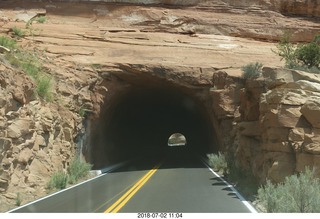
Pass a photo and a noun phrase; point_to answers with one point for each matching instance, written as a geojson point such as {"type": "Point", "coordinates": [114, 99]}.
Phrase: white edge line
{"type": "Point", "coordinates": [242, 199]}
{"type": "Point", "coordinates": [104, 172]}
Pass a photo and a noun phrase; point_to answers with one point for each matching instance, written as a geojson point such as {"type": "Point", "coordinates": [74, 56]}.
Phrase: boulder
{"type": "Point", "coordinates": [311, 111]}
{"type": "Point", "coordinates": [296, 134]}
{"type": "Point", "coordinates": [20, 127]}
{"type": "Point", "coordinates": [308, 85]}
{"type": "Point", "coordinates": [25, 156]}
{"type": "Point", "coordinates": [289, 116]}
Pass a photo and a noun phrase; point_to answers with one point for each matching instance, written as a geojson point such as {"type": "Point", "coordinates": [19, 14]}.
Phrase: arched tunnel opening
{"type": "Point", "coordinates": [139, 121]}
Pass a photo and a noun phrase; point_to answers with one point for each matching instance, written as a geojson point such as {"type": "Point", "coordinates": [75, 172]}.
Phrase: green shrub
{"type": "Point", "coordinates": [58, 180]}
{"type": "Point", "coordinates": [218, 162]}
{"type": "Point", "coordinates": [252, 70]}
{"type": "Point", "coordinates": [78, 169]}
{"type": "Point", "coordinates": [7, 42]}
{"type": "Point", "coordinates": [18, 199]}
{"type": "Point", "coordinates": [41, 19]}
{"type": "Point", "coordinates": [31, 69]}
{"type": "Point", "coordinates": [298, 193]}
{"type": "Point", "coordinates": [286, 50]}
{"type": "Point", "coordinates": [309, 54]}
{"type": "Point", "coordinates": [43, 89]}
{"type": "Point", "coordinates": [18, 32]}
{"type": "Point", "coordinates": [305, 57]}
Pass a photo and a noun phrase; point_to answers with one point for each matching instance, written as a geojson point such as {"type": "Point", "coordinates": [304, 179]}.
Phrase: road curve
{"type": "Point", "coordinates": [179, 183]}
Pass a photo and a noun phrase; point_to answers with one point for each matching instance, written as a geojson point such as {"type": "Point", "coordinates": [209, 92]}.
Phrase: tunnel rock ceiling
{"type": "Point", "coordinates": [145, 105]}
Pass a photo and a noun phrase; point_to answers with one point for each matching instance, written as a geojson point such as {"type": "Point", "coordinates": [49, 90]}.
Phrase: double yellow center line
{"type": "Point", "coordinates": [134, 189]}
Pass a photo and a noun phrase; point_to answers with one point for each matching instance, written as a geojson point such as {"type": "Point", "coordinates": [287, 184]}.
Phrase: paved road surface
{"type": "Point", "coordinates": [179, 183]}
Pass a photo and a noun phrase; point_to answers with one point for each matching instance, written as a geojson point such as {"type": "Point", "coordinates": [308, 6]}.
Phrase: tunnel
{"type": "Point", "coordinates": [138, 122]}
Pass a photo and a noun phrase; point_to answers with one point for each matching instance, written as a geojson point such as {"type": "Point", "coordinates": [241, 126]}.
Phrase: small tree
{"type": "Point", "coordinates": [305, 57]}
{"type": "Point", "coordinates": [286, 50]}
{"type": "Point", "coordinates": [309, 54]}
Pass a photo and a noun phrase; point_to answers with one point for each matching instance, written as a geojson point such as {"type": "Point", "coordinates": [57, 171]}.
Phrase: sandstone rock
{"type": "Point", "coordinates": [39, 172]}
{"type": "Point", "coordinates": [222, 104]}
{"type": "Point", "coordinates": [289, 116]}
{"type": "Point", "coordinates": [312, 142]}
{"type": "Point", "coordinates": [294, 97]}
{"type": "Point", "coordinates": [296, 134]}
{"type": "Point", "coordinates": [66, 89]}
{"type": "Point", "coordinates": [308, 85]}
{"type": "Point", "coordinates": [311, 111]}
{"type": "Point", "coordinates": [282, 166]}
{"type": "Point", "coordinates": [249, 106]}
{"type": "Point", "coordinates": [277, 147]}
{"type": "Point", "coordinates": [67, 134]}
{"type": "Point", "coordinates": [305, 160]}
{"type": "Point", "coordinates": [25, 156]}
{"type": "Point", "coordinates": [220, 79]}
{"type": "Point", "coordinates": [275, 134]}
{"type": "Point", "coordinates": [250, 128]}
{"type": "Point", "coordinates": [4, 180]}
{"type": "Point", "coordinates": [46, 113]}
{"type": "Point", "coordinates": [304, 8]}
{"type": "Point", "coordinates": [20, 127]}
{"type": "Point", "coordinates": [297, 146]}
{"type": "Point", "coordinates": [276, 76]}
{"type": "Point", "coordinates": [270, 118]}
{"type": "Point", "coordinates": [5, 144]}
{"type": "Point", "coordinates": [300, 75]}
{"type": "Point", "coordinates": [84, 94]}
{"type": "Point", "coordinates": [39, 142]}
{"type": "Point", "coordinates": [312, 148]}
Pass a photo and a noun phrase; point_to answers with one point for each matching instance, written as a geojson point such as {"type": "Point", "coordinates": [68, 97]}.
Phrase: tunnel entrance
{"type": "Point", "coordinates": [137, 122]}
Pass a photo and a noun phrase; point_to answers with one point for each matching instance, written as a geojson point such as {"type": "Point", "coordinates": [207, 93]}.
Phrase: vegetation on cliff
{"type": "Point", "coordinates": [31, 64]}
{"type": "Point", "coordinates": [305, 57]}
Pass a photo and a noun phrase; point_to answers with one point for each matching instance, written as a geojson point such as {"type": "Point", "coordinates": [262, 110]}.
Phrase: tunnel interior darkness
{"type": "Point", "coordinates": [141, 120]}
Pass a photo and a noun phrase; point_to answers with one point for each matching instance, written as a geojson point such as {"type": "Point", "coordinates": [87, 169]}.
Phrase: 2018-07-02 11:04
{"type": "Point", "coordinates": [159, 215]}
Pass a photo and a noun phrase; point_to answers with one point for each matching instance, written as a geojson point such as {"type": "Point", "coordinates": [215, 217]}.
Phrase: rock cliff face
{"type": "Point", "coordinates": [96, 51]}
{"type": "Point", "coordinates": [36, 138]}
{"type": "Point", "coordinates": [275, 131]}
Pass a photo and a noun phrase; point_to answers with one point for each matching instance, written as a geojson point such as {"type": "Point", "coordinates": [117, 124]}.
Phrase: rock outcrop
{"type": "Point", "coordinates": [279, 130]}
{"type": "Point", "coordinates": [36, 138]}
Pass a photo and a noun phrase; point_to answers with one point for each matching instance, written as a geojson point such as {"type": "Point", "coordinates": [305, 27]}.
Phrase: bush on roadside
{"type": "Point", "coordinates": [78, 169]}
{"type": "Point", "coordinates": [298, 193]}
{"type": "Point", "coordinates": [58, 180]}
{"type": "Point", "coordinates": [218, 162]}
{"type": "Point", "coordinates": [252, 70]}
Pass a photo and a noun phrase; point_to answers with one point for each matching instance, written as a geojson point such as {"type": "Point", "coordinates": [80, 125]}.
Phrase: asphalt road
{"type": "Point", "coordinates": [179, 183]}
